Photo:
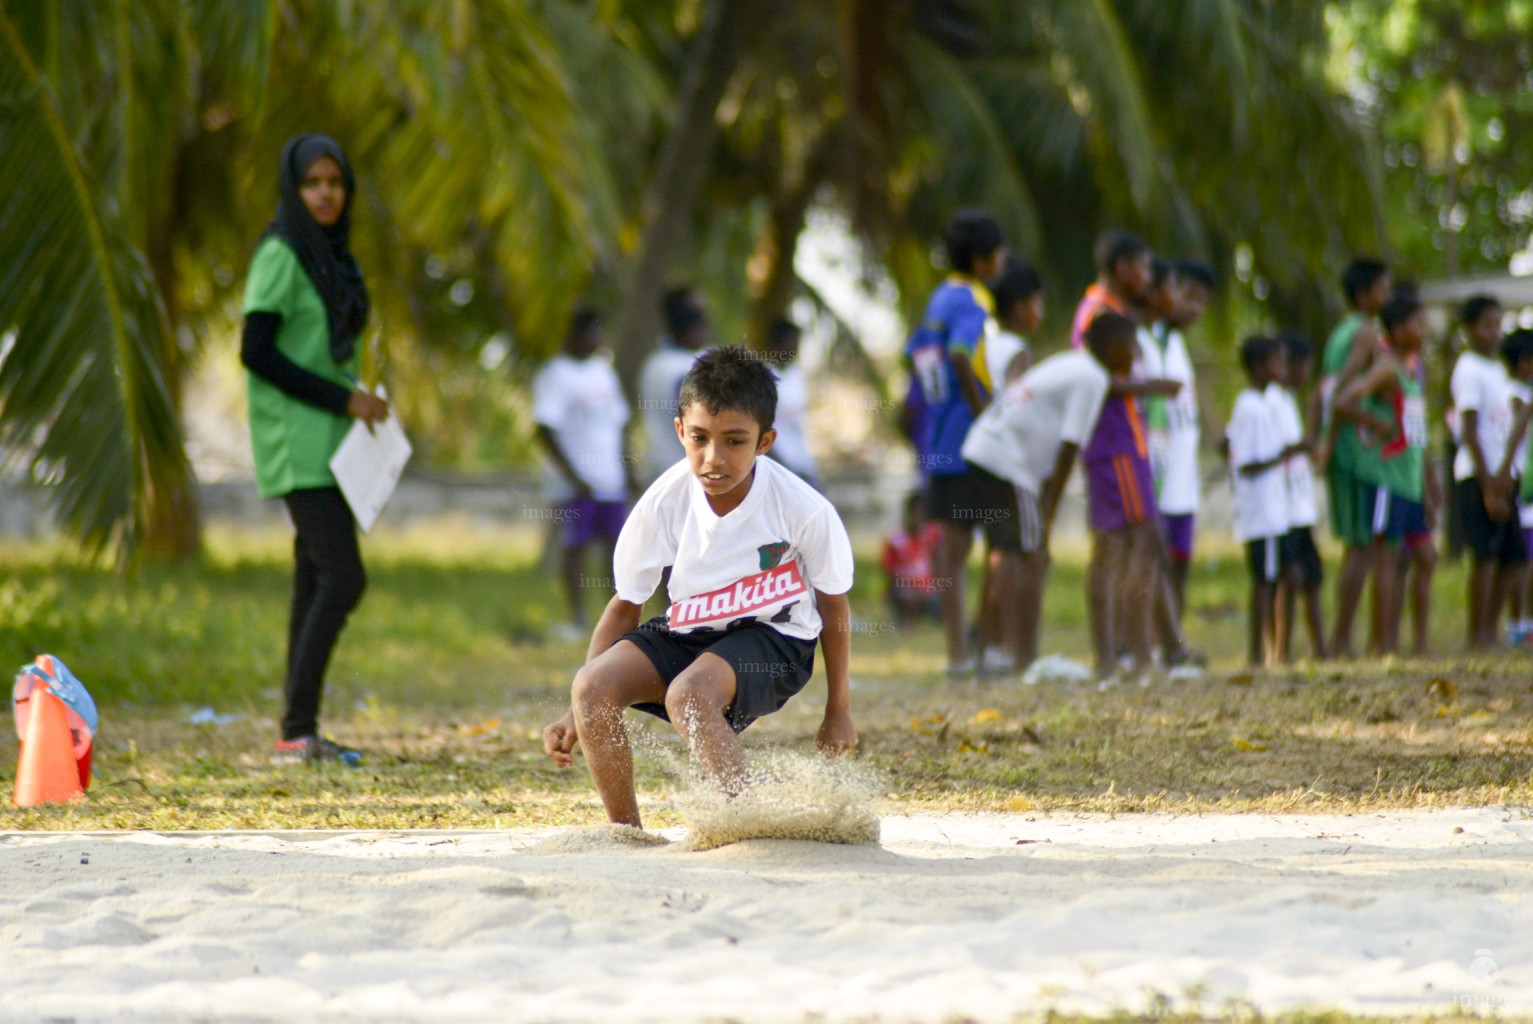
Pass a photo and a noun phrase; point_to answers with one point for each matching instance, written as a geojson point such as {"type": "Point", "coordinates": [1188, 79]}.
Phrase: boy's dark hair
{"type": "Point", "coordinates": [1256, 350]}
{"type": "Point", "coordinates": [1107, 330]}
{"type": "Point", "coordinates": [731, 377]}
{"type": "Point", "coordinates": [1397, 310]}
{"type": "Point", "coordinates": [970, 235]}
{"type": "Point", "coordinates": [1474, 307]}
{"type": "Point", "coordinates": [675, 304]}
{"type": "Point", "coordinates": [1018, 283]}
{"type": "Point", "coordinates": [781, 330]}
{"type": "Point", "coordinates": [1361, 274]}
{"type": "Point", "coordinates": [1113, 246]}
{"type": "Point", "coordinates": [686, 319]}
{"type": "Point", "coordinates": [1197, 270]}
{"type": "Point", "coordinates": [1161, 270]}
{"type": "Point", "coordinates": [1517, 346]}
{"type": "Point", "coordinates": [1296, 345]}
{"type": "Point", "coordinates": [583, 320]}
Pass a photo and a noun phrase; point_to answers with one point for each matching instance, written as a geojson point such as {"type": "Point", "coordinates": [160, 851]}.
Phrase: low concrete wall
{"type": "Point", "coordinates": [869, 502]}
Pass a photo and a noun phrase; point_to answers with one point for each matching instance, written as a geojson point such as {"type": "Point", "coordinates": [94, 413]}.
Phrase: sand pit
{"type": "Point", "coordinates": [951, 916]}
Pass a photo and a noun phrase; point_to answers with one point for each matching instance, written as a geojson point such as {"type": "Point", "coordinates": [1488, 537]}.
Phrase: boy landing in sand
{"type": "Point", "coordinates": [761, 566]}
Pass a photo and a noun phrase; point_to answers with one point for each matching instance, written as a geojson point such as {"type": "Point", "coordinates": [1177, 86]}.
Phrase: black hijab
{"type": "Point", "coordinates": [324, 253]}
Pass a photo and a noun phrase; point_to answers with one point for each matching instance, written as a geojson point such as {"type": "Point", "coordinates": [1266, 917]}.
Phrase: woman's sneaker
{"type": "Point", "coordinates": [313, 749]}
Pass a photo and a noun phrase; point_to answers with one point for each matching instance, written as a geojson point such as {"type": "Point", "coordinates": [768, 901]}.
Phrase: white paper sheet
{"type": "Point", "coordinates": [367, 466]}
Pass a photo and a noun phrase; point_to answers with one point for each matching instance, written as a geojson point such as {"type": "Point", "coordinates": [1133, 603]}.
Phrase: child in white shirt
{"type": "Point", "coordinates": [761, 566]}
{"type": "Point", "coordinates": [1257, 454]}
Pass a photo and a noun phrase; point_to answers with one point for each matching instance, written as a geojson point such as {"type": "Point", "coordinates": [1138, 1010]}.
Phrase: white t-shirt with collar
{"type": "Point", "coordinates": [1481, 383]}
{"type": "Point", "coordinates": [1298, 475]}
{"type": "Point", "coordinates": [762, 562]}
{"type": "Point", "coordinates": [1174, 447]}
{"type": "Point", "coordinates": [581, 401]}
{"type": "Point", "coordinates": [1018, 436]}
{"type": "Point", "coordinates": [1261, 501]}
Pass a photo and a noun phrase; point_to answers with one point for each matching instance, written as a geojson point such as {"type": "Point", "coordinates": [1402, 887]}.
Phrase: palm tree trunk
{"type": "Point", "coordinates": [684, 159]}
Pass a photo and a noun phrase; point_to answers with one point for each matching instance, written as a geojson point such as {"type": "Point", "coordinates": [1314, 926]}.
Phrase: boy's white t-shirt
{"type": "Point", "coordinates": [581, 401]}
{"type": "Point", "coordinates": [792, 422]}
{"type": "Point", "coordinates": [1000, 349]}
{"type": "Point", "coordinates": [1018, 436]}
{"type": "Point", "coordinates": [1482, 384]}
{"type": "Point", "coordinates": [1261, 501]}
{"type": "Point", "coordinates": [762, 562]}
{"type": "Point", "coordinates": [1174, 448]}
{"type": "Point", "coordinates": [659, 385]}
{"type": "Point", "coordinates": [1298, 475]}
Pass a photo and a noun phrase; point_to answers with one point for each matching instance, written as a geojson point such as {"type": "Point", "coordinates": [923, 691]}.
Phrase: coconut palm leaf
{"type": "Point", "coordinates": [82, 398]}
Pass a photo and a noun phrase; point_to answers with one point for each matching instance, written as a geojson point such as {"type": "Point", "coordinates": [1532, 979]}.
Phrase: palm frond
{"type": "Point", "coordinates": [82, 397]}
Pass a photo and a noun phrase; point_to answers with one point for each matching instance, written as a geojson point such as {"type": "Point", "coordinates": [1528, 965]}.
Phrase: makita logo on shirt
{"type": "Point", "coordinates": [740, 600]}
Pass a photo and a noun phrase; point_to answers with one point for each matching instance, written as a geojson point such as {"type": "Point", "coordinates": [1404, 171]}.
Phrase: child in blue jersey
{"type": "Point", "coordinates": [947, 355]}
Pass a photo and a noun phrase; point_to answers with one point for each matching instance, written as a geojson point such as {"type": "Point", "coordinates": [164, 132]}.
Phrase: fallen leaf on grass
{"type": "Point", "coordinates": [1241, 679]}
{"type": "Point", "coordinates": [965, 747]}
{"type": "Point", "coordinates": [1019, 803]}
{"type": "Point", "coordinates": [1444, 689]}
{"type": "Point", "coordinates": [1245, 744]}
{"type": "Point", "coordinates": [489, 725]}
{"type": "Point", "coordinates": [984, 715]}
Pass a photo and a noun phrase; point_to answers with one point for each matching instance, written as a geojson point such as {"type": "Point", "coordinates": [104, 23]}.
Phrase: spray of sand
{"type": "Point", "coordinates": [790, 796]}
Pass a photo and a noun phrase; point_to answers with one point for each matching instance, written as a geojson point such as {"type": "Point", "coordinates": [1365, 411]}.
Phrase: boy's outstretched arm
{"type": "Point", "coordinates": [837, 735]}
{"type": "Point", "coordinates": [559, 738]}
{"type": "Point", "coordinates": [1054, 487]}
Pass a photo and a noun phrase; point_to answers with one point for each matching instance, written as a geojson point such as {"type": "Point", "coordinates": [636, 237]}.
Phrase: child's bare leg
{"type": "Point", "coordinates": [1500, 592]}
{"type": "Point", "coordinates": [572, 563]}
{"type": "Point", "coordinates": [1167, 621]}
{"type": "Point", "coordinates": [604, 688]}
{"type": "Point", "coordinates": [1035, 572]}
{"type": "Point", "coordinates": [1005, 594]}
{"type": "Point", "coordinates": [696, 701]}
{"type": "Point", "coordinates": [954, 552]}
{"type": "Point", "coordinates": [1177, 575]}
{"type": "Point", "coordinates": [1386, 615]}
{"type": "Point", "coordinates": [1139, 584]}
{"type": "Point", "coordinates": [1425, 557]}
{"type": "Point", "coordinates": [1314, 619]}
{"type": "Point", "coordinates": [1481, 582]}
{"type": "Point", "coordinates": [1101, 603]}
{"type": "Point", "coordinates": [1260, 639]}
{"type": "Point", "coordinates": [1284, 604]}
{"type": "Point", "coordinates": [1350, 581]}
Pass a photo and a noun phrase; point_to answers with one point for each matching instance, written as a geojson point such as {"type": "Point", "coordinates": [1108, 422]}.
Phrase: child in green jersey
{"type": "Point", "coordinates": [1388, 404]}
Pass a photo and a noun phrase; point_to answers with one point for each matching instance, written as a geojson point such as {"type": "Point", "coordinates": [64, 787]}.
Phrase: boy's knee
{"type": "Point", "coordinates": [592, 687]}
{"type": "Point", "coordinates": [689, 698]}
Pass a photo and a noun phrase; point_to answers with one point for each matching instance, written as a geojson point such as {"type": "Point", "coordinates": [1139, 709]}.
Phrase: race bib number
{"type": "Point", "coordinates": [766, 596]}
{"type": "Point", "coordinates": [1413, 417]}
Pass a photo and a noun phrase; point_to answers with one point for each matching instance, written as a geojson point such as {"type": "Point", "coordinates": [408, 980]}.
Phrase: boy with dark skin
{"type": "Point", "coordinates": [601, 519]}
{"type": "Point", "coordinates": [1388, 400]}
{"type": "Point", "coordinates": [1348, 352]}
{"type": "Point", "coordinates": [1483, 479]}
{"type": "Point", "coordinates": [724, 653]}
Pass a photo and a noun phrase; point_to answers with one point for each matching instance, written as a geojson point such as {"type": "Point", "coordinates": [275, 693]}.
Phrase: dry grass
{"type": "Point", "coordinates": [445, 678]}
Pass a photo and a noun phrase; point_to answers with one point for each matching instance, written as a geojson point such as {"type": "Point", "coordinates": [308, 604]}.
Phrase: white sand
{"type": "Point", "coordinates": [949, 917]}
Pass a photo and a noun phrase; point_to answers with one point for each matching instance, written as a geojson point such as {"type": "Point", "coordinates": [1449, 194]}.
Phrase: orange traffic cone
{"type": "Point", "coordinates": [46, 771]}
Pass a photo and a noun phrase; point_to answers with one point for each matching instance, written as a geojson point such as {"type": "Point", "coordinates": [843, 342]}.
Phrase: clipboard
{"type": "Point", "coordinates": [368, 463]}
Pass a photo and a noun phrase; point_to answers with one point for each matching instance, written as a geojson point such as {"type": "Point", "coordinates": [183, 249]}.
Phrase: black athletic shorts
{"type": "Point", "coordinates": [1502, 542]}
{"type": "Point", "coordinates": [770, 667]}
{"type": "Point", "coordinates": [1305, 556]}
{"type": "Point", "coordinates": [1266, 556]}
{"type": "Point", "coordinates": [977, 497]}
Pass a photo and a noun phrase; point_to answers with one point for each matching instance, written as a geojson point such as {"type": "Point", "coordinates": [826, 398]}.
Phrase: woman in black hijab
{"type": "Point", "coordinates": [305, 304]}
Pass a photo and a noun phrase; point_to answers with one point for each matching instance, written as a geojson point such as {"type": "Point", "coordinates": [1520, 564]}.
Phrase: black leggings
{"type": "Point", "coordinates": [327, 584]}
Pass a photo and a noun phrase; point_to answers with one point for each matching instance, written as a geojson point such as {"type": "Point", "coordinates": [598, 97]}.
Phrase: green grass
{"type": "Point", "coordinates": [445, 676]}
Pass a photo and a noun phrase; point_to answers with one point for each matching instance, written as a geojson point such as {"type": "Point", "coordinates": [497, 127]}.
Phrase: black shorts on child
{"type": "Point", "coordinates": [770, 667]}
{"type": "Point", "coordinates": [1301, 548]}
{"type": "Point", "coordinates": [1488, 539]}
{"type": "Point", "coordinates": [1266, 557]}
